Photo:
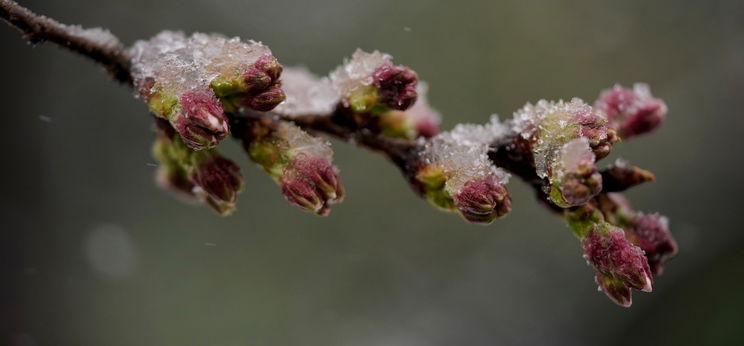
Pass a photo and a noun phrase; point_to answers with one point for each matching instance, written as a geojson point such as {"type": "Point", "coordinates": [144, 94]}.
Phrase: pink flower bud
{"type": "Point", "coordinates": [219, 177]}
{"type": "Point", "coordinates": [200, 120]}
{"type": "Point", "coordinates": [311, 183]}
{"type": "Point", "coordinates": [319, 172]}
{"type": "Point", "coordinates": [265, 100]}
{"type": "Point", "coordinates": [612, 254]}
{"type": "Point", "coordinates": [631, 112]}
{"type": "Point", "coordinates": [578, 189]}
{"type": "Point", "coordinates": [268, 64]}
{"type": "Point", "coordinates": [427, 128]}
{"type": "Point", "coordinates": [615, 289]}
{"type": "Point", "coordinates": [396, 86]}
{"type": "Point", "coordinates": [482, 201]}
{"type": "Point", "coordinates": [303, 194]}
{"type": "Point", "coordinates": [651, 233]}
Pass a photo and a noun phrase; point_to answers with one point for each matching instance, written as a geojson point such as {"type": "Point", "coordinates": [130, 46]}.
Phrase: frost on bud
{"type": "Point", "coordinates": [619, 264]}
{"type": "Point", "coordinates": [311, 183]}
{"type": "Point", "coordinates": [650, 232]}
{"type": "Point", "coordinates": [306, 93]}
{"type": "Point", "coordinates": [218, 177]}
{"type": "Point", "coordinates": [298, 162]}
{"type": "Point", "coordinates": [188, 80]}
{"type": "Point", "coordinates": [565, 138]}
{"type": "Point", "coordinates": [199, 119]}
{"type": "Point", "coordinates": [631, 112]}
{"type": "Point", "coordinates": [574, 178]}
{"type": "Point", "coordinates": [611, 254]}
{"type": "Point", "coordinates": [482, 201]}
{"type": "Point", "coordinates": [196, 175]}
{"type": "Point", "coordinates": [458, 175]}
{"type": "Point", "coordinates": [370, 83]}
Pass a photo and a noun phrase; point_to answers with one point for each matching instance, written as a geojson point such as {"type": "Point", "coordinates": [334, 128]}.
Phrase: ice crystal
{"type": "Point", "coordinates": [463, 154]}
{"type": "Point", "coordinates": [101, 36]}
{"type": "Point", "coordinates": [619, 101]}
{"type": "Point", "coordinates": [631, 111]}
{"type": "Point", "coordinates": [300, 142]}
{"type": "Point", "coordinates": [551, 125]}
{"type": "Point", "coordinates": [179, 63]}
{"type": "Point", "coordinates": [357, 71]}
{"type": "Point", "coordinates": [573, 154]}
{"type": "Point", "coordinates": [306, 93]}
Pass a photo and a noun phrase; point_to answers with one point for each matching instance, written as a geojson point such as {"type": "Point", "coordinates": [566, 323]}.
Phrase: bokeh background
{"type": "Point", "coordinates": [93, 253]}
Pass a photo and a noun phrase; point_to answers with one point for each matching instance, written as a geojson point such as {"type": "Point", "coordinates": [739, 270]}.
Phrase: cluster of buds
{"type": "Point", "coordinates": [196, 175]}
{"type": "Point", "coordinates": [458, 176]}
{"type": "Point", "coordinates": [650, 232]}
{"type": "Point", "coordinates": [370, 83]}
{"type": "Point", "coordinates": [565, 139]}
{"type": "Point", "coordinates": [368, 91]}
{"type": "Point", "coordinates": [298, 162]}
{"type": "Point", "coordinates": [631, 112]}
{"type": "Point", "coordinates": [620, 266]}
{"type": "Point", "coordinates": [191, 81]}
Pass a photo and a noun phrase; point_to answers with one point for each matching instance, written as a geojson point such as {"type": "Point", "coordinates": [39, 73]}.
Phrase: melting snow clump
{"type": "Point", "coordinates": [306, 93]}
{"type": "Point", "coordinates": [180, 63]}
{"type": "Point", "coordinates": [463, 154]}
{"type": "Point", "coordinates": [357, 72]}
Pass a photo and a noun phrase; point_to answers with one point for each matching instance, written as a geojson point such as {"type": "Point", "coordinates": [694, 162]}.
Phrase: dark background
{"type": "Point", "coordinates": [93, 253]}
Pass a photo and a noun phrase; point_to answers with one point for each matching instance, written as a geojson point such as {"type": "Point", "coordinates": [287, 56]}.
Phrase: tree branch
{"type": "Point", "coordinates": [114, 58]}
{"type": "Point", "coordinates": [571, 187]}
{"type": "Point", "coordinates": [110, 54]}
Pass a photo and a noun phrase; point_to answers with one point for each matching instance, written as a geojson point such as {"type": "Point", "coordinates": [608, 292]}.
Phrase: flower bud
{"type": "Point", "coordinates": [574, 178]}
{"type": "Point", "coordinates": [482, 201]}
{"type": "Point", "coordinates": [266, 100]}
{"type": "Point", "coordinates": [196, 175]}
{"type": "Point", "coordinates": [190, 79]}
{"type": "Point", "coordinates": [427, 128]}
{"type": "Point", "coordinates": [370, 83]}
{"type": "Point", "coordinates": [219, 177]}
{"type": "Point", "coordinates": [302, 194]}
{"type": "Point", "coordinates": [199, 119]}
{"type": "Point", "coordinates": [621, 176]}
{"type": "Point", "coordinates": [319, 172]}
{"type": "Point", "coordinates": [631, 112]}
{"type": "Point", "coordinates": [459, 176]}
{"type": "Point", "coordinates": [298, 162]}
{"type": "Point", "coordinates": [615, 289]}
{"type": "Point", "coordinates": [611, 254]}
{"type": "Point", "coordinates": [311, 183]}
{"type": "Point", "coordinates": [396, 86]}
{"type": "Point", "coordinates": [651, 233]}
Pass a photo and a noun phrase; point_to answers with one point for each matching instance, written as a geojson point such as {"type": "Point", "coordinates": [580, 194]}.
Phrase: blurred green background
{"type": "Point", "coordinates": [93, 253]}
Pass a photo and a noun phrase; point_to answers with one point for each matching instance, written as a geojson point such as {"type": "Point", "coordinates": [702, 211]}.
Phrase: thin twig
{"type": "Point", "coordinates": [38, 29]}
